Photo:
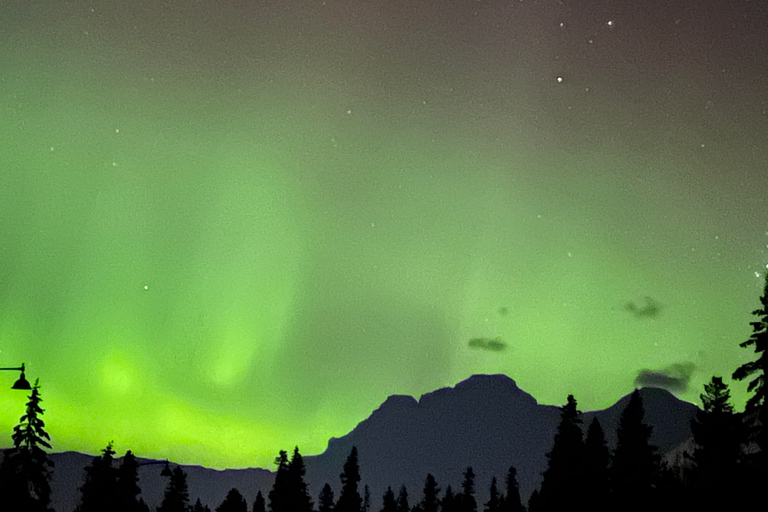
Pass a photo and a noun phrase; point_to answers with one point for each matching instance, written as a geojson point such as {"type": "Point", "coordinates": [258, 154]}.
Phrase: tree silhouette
{"type": "Point", "coordinates": [430, 501]}
{"type": "Point", "coordinates": [325, 500]}
{"type": "Point", "coordinates": [278, 496]}
{"type": "Point", "coordinates": [402, 500]}
{"type": "Point", "coordinates": [493, 504]}
{"type": "Point", "coordinates": [349, 498]}
{"type": "Point", "coordinates": [233, 502]}
{"type": "Point", "coordinates": [297, 495]}
{"type": "Point", "coordinates": [510, 501]}
{"type": "Point", "coordinates": [99, 491]}
{"type": "Point", "coordinates": [562, 482]}
{"type": "Point", "coordinates": [757, 405]}
{"type": "Point", "coordinates": [717, 435]}
{"type": "Point", "coordinates": [127, 490]}
{"type": "Point", "coordinates": [366, 498]}
{"type": "Point", "coordinates": [198, 507]}
{"type": "Point", "coordinates": [450, 502]}
{"type": "Point", "coordinates": [635, 463]}
{"type": "Point", "coordinates": [597, 459]}
{"type": "Point", "coordinates": [176, 497]}
{"type": "Point", "coordinates": [259, 505]}
{"type": "Point", "coordinates": [389, 502]}
{"type": "Point", "coordinates": [466, 500]}
{"type": "Point", "coordinates": [25, 472]}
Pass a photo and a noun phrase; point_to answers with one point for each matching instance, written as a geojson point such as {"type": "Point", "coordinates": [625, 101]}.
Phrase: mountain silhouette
{"type": "Point", "coordinates": [486, 422]}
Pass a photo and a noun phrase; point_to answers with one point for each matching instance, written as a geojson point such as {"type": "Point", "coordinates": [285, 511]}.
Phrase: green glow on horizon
{"type": "Point", "coordinates": [218, 240]}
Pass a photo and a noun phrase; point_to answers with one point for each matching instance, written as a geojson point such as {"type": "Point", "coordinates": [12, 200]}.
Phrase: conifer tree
{"type": "Point", "coordinates": [259, 505]}
{"type": "Point", "coordinates": [199, 507]}
{"type": "Point", "coordinates": [635, 464]}
{"type": "Point", "coordinates": [717, 436]}
{"type": "Point", "coordinates": [99, 491]}
{"type": "Point", "coordinates": [389, 502]}
{"type": "Point", "coordinates": [298, 498]}
{"type": "Point", "coordinates": [349, 498]}
{"type": "Point", "coordinates": [562, 482]}
{"type": "Point", "coordinates": [325, 500]}
{"type": "Point", "coordinates": [597, 459]}
{"type": "Point", "coordinates": [757, 405]}
{"type": "Point", "coordinates": [493, 504]}
{"type": "Point", "coordinates": [366, 498]}
{"type": "Point", "coordinates": [402, 500]}
{"type": "Point", "coordinates": [176, 497]}
{"type": "Point", "coordinates": [233, 502]}
{"type": "Point", "coordinates": [466, 500]}
{"type": "Point", "coordinates": [430, 501]}
{"type": "Point", "coordinates": [278, 496]}
{"type": "Point", "coordinates": [449, 503]}
{"type": "Point", "coordinates": [26, 471]}
{"type": "Point", "coordinates": [127, 490]}
{"type": "Point", "coordinates": [511, 501]}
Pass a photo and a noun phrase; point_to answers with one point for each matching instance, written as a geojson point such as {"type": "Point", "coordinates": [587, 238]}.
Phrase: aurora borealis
{"type": "Point", "coordinates": [231, 227]}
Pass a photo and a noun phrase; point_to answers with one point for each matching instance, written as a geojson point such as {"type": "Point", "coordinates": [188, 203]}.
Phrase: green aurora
{"type": "Point", "coordinates": [228, 228]}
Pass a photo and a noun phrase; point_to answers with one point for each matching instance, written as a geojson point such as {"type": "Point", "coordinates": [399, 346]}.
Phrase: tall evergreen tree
{"type": "Point", "coordinates": [635, 464]}
{"type": "Point", "coordinates": [366, 498]}
{"type": "Point", "coordinates": [349, 498]}
{"type": "Point", "coordinates": [260, 505]}
{"type": "Point", "coordinates": [233, 502]}
{"type": "Point", "coordinates": [99, 491]}
{"type": "Point", "coordinates": [298, 498]}
{"type": "Point", "coordinates": [279, 495]}
{"type": "Point", "coordinates": [127, 490]}
{"type": "Point", "coordinates": [402, 500]}
{"type": "Point", "coordinates": [466, 500]}
{"type": "Point", "coordinates": [176, 497]}
{"type": "Point", "coordinates": [388, 501]}
{"type": "Point", "coordinates": [562, 482]}
{"type": "Point", "coordinates": [597, 459]}
{"type": "Point", "coordinates": [757, 405]}
{"type": "Point", "coordinates": [511, 501]}
{"type": "Point", "coordinates": [325, 500]}
{"type": "Point", "coordinates": [717, 436]}
{"type": "Point", "coordinates": [199, 507]}
{"type": "Point", "coordinates": [450, 502]}
{"type": "Point", "coordinates": [26, 471]}
{"type": "Point", "coordinates": [430, 501]}
{"type": "Point", "coordinates": [494, 500]}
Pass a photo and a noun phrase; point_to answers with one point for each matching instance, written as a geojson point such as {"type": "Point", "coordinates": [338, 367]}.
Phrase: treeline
{"type": "Point", "coordinates": [726, 467]}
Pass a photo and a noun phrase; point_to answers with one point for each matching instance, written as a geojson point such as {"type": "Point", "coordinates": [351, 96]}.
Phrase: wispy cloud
{"type": "Point", "coordinates": [648, 308]}
{"type": "Point", "coordinates": [673, 378]}
{"type": "Point", "coordinates": [490, 344]}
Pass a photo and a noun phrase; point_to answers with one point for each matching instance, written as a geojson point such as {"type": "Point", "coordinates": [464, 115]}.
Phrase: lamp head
{"type": "Point", "coordinates": [22, 383]}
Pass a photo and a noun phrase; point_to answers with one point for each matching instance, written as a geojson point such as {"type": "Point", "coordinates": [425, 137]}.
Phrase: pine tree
{"type": "Point", "coordinates": [635, 464]}
{"type": "Point", "coordinates": [493, 504]}
{"type": "Point", "coordinates": [717, 435]}
{"type": "Point", "coordinates": [233, 502]}
{"type": "Point", "coordinates": [389, 502]}
{"type": "Point", "coordinates": [597, 459]}
{"type": "Point", "coordinates": [176, 497]}
{"type": "Point", "coordinates": [25, 472]}
{"type": "Point", "coordinates": [430, 502]}
{"type": "Point", "coordinates": [366, 498]}
{"type": "Point", "coordinates": [402, 500]}
{"type": "Point", "coordinates": [278, 496]}
{"type": "Point", "coordinates": [511, 501]}
{"type": "Point", "coordinates": [449, 503]}
{"type": "Point", "coordinates": [99, 492]}
{"type": "Point", "coordinates": [127, 490]}
{"type": "Point", "coordinates": [466, 500]}
{"type": "Point", "coordinates": [757, 405]}
{"type": "Point", "coordinates": [259, 505]}
{"type": "Point", "coordinates": [349, 498]}
{"type": "Point", "coordinates": [198, 507]}
{"type": "Point", "coordinates": [562, 482]}
{"type": "Point", "coordinates": [297, 495]}
{"type": "Point", "coordinates": [325, 500]}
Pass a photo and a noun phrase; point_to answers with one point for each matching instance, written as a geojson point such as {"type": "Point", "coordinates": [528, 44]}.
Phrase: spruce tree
{"type": "Point", "coordinates": [562, 482]}
{"type": "Point", "coordinates": [450, 502]}
{"type": "Point", "coordinates": [176, 497]}
{"type": "Point", "coordinates": [298, 498]}
{"type": "Point", "coordinates": [757, 405]}
{"type": "Point", "coordinates": [26, 471]}
{"type": "Point", "coordinates": [493, 504]}
{"type": "Point", "coordinates": [389, 502]}
{"type": "Point", "coordinates": [430, 501]}
{"type": "Point", "coordinates": [259, 505]}
{"type": "Point", "coordinates": [233, 502]}
{"type": "Point", "coordinates": [511, 501]}
{"type": "Point", "coordinates": [325, 500]}
{"type": "Point", "coordinates": [402, 500]}
{"type": "Point", "coordinates": [349, 498]}
{"type": "Point", "coordinates": [466, 500]}
{"type": "Point", "coordinates": [99, 491]}
{"type": "Point", "coordinates": [278, 496]}
{"type": "Point", "coordinates": [717, 437]}
{"type": "Point", "coordinates": [127, 490]}
{"type": "Point", "coordinates": [597, 459]}
{"type": "Point", "coordinates": [199, 507]}
{"type": "Point", "coordinates": [366, 498]}
{"type": "Point", "coordinates": [635, 464]}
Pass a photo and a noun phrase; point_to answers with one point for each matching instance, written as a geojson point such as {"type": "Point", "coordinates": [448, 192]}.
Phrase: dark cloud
{"type": "Point", "coordinates": [502, 311]}
{"type": "Point", "coordinates": [648, 308]}
{"type": "Point", "coordinates": [674, 378]}
{"type": "Point", "coordinates": [491, 344]}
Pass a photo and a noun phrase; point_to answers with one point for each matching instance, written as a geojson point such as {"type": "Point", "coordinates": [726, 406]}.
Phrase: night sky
{"type": "Point", "coordinates": [231, 227]}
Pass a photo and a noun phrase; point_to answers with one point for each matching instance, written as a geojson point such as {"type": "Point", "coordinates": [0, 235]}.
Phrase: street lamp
{"type": "Point", "coordinates": [22, 382]}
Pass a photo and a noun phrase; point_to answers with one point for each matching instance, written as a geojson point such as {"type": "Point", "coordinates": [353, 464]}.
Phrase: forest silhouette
{"type": "Point", "coordinates": [726, 469]}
